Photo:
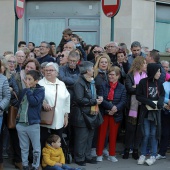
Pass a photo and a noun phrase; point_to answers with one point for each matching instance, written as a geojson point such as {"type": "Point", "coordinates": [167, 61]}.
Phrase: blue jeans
{"type": "Point", "coordinates": [65, 167]}
{"type": "Point", "coordinates": [1, 120]}
{"type": "Point", "coordinates": [149, 128]}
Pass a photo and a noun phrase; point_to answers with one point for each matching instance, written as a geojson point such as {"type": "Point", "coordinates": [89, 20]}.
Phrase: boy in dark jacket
{"type": "Point", "coordinates": [150, 93]}
{"type": "Point", "coordinates": [28, 125]}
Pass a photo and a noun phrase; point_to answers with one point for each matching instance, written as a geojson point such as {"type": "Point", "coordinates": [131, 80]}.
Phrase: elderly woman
{"type": "Point", "coordinates": [133, 133]}
{"type": "Point", "coordinates": [84, 114]}
{"type": "Point", "coordinates": [4, 101]}
{"type": "Point", "coordinates": [52, 86]}
{"type": "Point", "coordinates": [114, 99]}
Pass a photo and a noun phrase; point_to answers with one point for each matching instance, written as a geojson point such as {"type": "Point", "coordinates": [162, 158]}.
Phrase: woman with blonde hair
{"type": "Point", "coordinates": [133, 133]}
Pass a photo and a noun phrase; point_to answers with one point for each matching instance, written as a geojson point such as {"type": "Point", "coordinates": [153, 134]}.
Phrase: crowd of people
{"type": "Point", "coordinates": [93, 92]}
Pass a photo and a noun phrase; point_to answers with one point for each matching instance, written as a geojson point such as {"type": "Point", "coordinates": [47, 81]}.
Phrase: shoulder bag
{"type": "Point", "coordinates": [47, 116]}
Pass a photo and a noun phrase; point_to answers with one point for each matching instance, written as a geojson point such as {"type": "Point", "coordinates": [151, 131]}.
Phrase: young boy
{"type": "Point", "coordinates": [67, 34]}
{"type": "Point", "coordinates": [53, 156]}
{"type": "Point", "coordinates": [76, 39]}
{"type": "Point", "coordinates": [28, 126]}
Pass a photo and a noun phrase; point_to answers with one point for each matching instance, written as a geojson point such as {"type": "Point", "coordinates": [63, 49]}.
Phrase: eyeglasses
{"type": "Point", "coordinates": [43, 47]}
{"type": "Point", "coordinates": [61, 55]}
{"type": "Point", "coordinates": [72, 61]}
{"type": "Point", "coordinates": [11, 62]}
{"type": "Point", "coordinates": [99, 52]}
{"type": "Point", "coordinates": [49, 70]}
{"type": "Point", "coordinates": [110, 46]}
{"type": "Point", "coordinates": [20, 56]}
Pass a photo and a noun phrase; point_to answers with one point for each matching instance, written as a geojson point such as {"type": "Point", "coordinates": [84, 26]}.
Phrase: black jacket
{"type": "Point", "coordinates": [82, 102]}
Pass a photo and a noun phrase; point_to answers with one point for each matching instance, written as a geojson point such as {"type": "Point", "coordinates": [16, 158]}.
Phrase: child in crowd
{"type": "Point", "coordinates": [53, 156]}
{"type": "Point", "coordinates": [67, 34]}
{"type": "Point", "coordinates": [76, 39]}
{"type": "Point", "coordinates": [28, 123]}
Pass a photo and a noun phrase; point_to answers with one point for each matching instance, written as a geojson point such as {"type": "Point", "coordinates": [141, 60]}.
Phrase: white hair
{"type": "Point", "coordinates": [20, 51]}
{"type": "Point", "coordinates": [55, 65]}
{"type": "Point", "coordinates": [164, 62]}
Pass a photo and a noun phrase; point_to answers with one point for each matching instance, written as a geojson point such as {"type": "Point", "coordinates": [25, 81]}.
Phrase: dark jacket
{"type": "Point", "coordinates": [35, 99]}
{"type": "Point", "coordinates": [46, 58]}
{"type": "Point", "coordinates": [82, 103]}
{"type": "Point", "coordinates": [143, 96]}
{"type": "Point", "coordinates": [119, 101]}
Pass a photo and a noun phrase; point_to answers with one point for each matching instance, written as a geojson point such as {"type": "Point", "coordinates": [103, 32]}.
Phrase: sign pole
{"type": "Point", "coordinates": [112, 29]}
{"type": "Point", "coordinates": [16, 34]}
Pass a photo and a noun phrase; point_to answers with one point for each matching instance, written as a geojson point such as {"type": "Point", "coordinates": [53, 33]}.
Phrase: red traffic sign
{"type": "Point", "coordinates": [19, 8]}
{"type": "Point", "coordinates": [110, 7]}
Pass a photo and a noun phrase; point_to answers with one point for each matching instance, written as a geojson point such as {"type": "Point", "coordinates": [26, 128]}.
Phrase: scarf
{"type": "Point", "coordinates": [134, 103]}
{"type": "Point", "coordinates": [111, 92]}
{"type": "Point", "coordinates": [94, 109]}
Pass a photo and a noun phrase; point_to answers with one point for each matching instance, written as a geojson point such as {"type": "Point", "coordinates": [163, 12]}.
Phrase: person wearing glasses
{"type": "Point", "coordinates": [44, 50]}
{"type": "Point", "coordinates": [60, 120]}
{"type": "Point", "coordinates": [154, 57]}
{"type": "Point", "coordinates": [21, 57]}
{"type": "Point", "coordinates": [97, 51]}
{"type": "Point", "coordinates": [63, 58]}
{"type": "Point", "coordinates": [111, 50]}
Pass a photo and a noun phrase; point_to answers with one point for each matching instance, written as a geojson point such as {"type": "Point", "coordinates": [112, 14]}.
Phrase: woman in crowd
{"type": "Point", "coordinates": [133, 133]}
{"type": "Point", "coordinates": [150, 93]}
{"type": "Point", "coordinates": [52, 86]}
{"type": "Point", "coordinates": [30, 64]}
{"type": "Point", "coordinates": [114, 99]}
{"type": "Point", "coordinates": [101, 68]}
{"type": "Point", "coordinates": [84, 114]}
{"type": "Point", "coordinates": [4, 102]}
{"type": "Point", "coordinates": [165, 123]}
{"type": "Point", "coordinates": [9, 72]}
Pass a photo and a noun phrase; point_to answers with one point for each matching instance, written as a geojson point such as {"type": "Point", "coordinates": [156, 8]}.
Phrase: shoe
{"type": "Point", "coordinates": [93, 152]}
{"type": "Point", "coordinates": [130, 151]}
{"type": "Point", "coordinates": [99, 158]}
{"type": "Point", "coordinates": [105, 152]}
{"type": "Point", "coordinates": [81, 163]}
{"type": "Point", "coordinates": [141, 160]}
{"type": "Point", "coordinates": [158, 157]}
{"type": "Point", "coordinates": [135, 154]}
{"type": "Point", "coordinates": [126, 154]}
{"type": "Point", "coordinates": [112, 158]}
{"type": "Point", "coordinates": [91, 161]}
{"type": "Point", "coordinates": [18, 165]}
{"type": "Point", "coordinates": [151, 160]}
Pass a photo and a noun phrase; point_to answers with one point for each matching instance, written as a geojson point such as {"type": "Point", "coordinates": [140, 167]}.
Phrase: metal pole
{"type": "Point", "coordinates": [112, 29]}
{"type": "Point", "coordinates": [16, 28]}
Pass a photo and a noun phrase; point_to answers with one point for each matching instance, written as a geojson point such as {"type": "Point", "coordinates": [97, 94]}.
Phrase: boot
{"type": "Point", "coordinates": [135, 154]}
{"type": "Point", "coordinates": [126, 153]}
{"type": "Point", "coordinates": [1, 166]}
{"type": "Point", "coordinates": [18, 165]}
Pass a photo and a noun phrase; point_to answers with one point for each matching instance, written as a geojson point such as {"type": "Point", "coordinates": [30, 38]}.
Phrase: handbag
{"type": "Point", "coordinates": [47, 116]}
{"type": "Point", "coordinates": [92, 121]}
{"type": "Point", "coordinates": [12, 114]}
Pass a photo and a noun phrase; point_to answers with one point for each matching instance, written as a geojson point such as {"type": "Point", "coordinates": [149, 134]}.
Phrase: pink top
{"type": "Point", "coordinates": [167, 77]}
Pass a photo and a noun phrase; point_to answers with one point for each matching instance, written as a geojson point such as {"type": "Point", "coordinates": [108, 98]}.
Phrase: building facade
{"type": "Point", "coordinates": [147, 21]}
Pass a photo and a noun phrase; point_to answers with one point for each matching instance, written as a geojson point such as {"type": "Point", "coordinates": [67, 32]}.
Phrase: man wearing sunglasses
{"type": "Point", "coordinates": [97, 51]}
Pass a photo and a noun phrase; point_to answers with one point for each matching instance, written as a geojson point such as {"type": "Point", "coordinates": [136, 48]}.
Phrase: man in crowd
{"type": "Point", "coordinates": [21, 44]}
{"type": "Point", "coordinates": [31, 46]}
{"type": "Point", "coordinates": [20, 56]}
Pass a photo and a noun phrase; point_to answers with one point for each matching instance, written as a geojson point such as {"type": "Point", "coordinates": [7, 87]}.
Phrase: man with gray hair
{"type": "Point", "coordinates": [70, 72]}
{"type": "Point", "coordinates": [111, 50]}
{"type": "Point", "coordinates": [69, 46]}
{"type": "Point", "coordinates": [20, 56]}
{"type": "Point", "coordinates": [136, 51]}
{"type": "Point", "coordinates": [44, 50]}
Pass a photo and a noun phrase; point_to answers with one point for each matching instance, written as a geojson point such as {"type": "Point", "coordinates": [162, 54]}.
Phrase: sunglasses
{"type": "Point", "coordinates": [61, 55]}
{"type": "Point", "coordinates": [99, 52]}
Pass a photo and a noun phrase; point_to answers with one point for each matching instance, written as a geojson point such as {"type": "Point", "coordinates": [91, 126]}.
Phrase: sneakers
{"type": "Point", "coordinates": [141, 160]}
{"type": "Point", "coordinates": [112, 158]}
{"type": "Point", "coordinates": [105, 152]}
{"type": "Point", "coordinates": [151, 160]}
{"type": "Point", "coordinates": [158, 157]}
{"type": "Point", "coordinates": [93, 152]}
{"type": "Point", "coordinates": [99, 158]}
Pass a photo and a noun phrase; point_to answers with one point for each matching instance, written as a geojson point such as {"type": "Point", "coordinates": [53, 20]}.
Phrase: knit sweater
{"type": "Point", "coordinates": [51, 156]}
{"type": "Point", "coordinates": [5, 94]}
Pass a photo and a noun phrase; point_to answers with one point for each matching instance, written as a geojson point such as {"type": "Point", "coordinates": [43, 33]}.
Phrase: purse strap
{"type": "Point", "coordinates": [15, 95]}
{"type": "Point", "coordinates": [55, 97]}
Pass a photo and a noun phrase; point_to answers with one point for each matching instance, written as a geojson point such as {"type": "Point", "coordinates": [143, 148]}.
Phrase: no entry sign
{"type": "Point", "coordinates": [110, 7]}
{"type": "Point", "coordinates": [19, 8]}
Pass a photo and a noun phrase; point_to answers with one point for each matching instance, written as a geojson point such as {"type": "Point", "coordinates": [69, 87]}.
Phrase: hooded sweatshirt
{"type": "Point", "coordinates": [150, 89]}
